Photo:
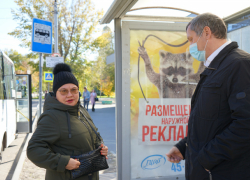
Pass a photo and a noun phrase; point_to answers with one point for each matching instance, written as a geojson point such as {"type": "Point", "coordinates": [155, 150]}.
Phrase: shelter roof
{"type": "Point", "coordinates": [222, 8]}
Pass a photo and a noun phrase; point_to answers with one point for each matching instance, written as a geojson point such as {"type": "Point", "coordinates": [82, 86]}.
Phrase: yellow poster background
{"type": "Point", "coordinates": [153, 46]}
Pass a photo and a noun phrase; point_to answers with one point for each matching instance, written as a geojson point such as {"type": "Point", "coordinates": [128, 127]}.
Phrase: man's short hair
{"type": "Point", "coordinates": [85, 87]}
{"type": "Point", "coordinates": [215, 23]}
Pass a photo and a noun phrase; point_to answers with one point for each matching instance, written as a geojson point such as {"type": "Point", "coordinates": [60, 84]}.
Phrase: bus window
{"type": "Point", "coordinates": [8, 79]}
{"type": "Point", "coordinates": [13, 88]}
{"type": "Point", "coordinates": [1, 75]}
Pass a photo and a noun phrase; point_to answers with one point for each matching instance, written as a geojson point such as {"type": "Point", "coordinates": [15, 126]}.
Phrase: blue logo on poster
{"type": "Point", "coordinates": [153, 162]}
{"type": "Point", "coordinates": [17, 82]}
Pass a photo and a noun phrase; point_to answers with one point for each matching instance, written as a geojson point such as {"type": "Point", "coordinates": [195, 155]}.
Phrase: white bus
{"type": "Point", "coordinates": [8, 122]}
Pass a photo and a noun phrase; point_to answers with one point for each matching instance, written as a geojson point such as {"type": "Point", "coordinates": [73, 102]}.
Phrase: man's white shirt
{"type": "Point", "coordinates": [215, 53]}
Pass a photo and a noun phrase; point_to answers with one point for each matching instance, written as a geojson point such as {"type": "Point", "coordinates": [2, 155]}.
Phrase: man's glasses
{"type": "Point", "coordinates": [66, 91]}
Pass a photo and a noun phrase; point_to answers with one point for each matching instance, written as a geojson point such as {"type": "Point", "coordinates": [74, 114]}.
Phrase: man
{"type": "Point", "coordinates": [218, 142]}
{"type": "Point", "coordinates": [86, 97]}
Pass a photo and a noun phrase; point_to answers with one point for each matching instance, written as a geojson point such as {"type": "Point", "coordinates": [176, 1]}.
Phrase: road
{"type": "Point", "coordinates": [35, 102]}
{"type": "Point", "coordinates": [104, 119]}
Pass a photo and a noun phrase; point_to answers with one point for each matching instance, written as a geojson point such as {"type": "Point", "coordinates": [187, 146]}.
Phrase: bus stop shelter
{"type": "Point", "coordinates": [144, 133]}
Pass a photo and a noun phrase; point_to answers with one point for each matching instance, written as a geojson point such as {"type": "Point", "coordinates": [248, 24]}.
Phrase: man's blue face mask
{"type": "Point", "coordinates": [199, 55]}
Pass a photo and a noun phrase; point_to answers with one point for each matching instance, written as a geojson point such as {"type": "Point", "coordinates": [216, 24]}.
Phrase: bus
{"type": "Point", "coordinates": [8, 115]}
{"type": "Point", "coordinates": [42, 32]}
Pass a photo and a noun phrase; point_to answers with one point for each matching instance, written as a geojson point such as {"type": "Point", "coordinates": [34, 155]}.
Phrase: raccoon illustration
{"type": "Point", "coordinates": [174, 72]}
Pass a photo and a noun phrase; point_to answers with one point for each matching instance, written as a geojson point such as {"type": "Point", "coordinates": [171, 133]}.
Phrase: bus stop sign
{"type": "Point", "coordinates": [41, 36]}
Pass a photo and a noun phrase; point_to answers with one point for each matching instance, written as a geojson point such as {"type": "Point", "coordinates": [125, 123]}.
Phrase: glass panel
{"type": "Point", "coordinates": [22, 92]}
{"type": "Point", "coordinates": [22, 87]}
{"type": "Point", "coordinates": [235, 36]}
{"type": "Point", "coordinates": [13, 82]}
{"type": "Point", "coordinates": [1, 80]}
{"type": "Point", "coordinates": [9, 84]}
{"type": "Point", "coordinates": [23, 103]}
{"type": "Point", "coordinates": [239, 23]}
{"type": "Point", "coordinates": [7, 80]}
{"type": "Point", "coordinates": [245, 39]}
{"type": "Point", "coordinates": [23, 110]}
{"type": "Point", "coordinates": [160, 99]}
{"type": "Point", "coordinates": [242, 37]}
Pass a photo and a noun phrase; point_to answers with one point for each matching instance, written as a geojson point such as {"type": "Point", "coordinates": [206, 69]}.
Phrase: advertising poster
{"type": "Point", "coordinates": [163, 79]}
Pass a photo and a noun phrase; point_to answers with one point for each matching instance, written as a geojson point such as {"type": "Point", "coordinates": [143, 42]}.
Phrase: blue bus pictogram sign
{"type": "Point", "coordinates": [41, 36]}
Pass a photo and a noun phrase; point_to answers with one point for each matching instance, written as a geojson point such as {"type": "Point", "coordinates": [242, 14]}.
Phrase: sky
{"type": "Point", "coordinates": [222, 8]}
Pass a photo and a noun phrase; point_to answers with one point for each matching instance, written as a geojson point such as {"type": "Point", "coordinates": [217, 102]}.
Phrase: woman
{"type": "Point", "coordinates": [92, 99]}
{"type": "Point", "coordinates": [60, 132]}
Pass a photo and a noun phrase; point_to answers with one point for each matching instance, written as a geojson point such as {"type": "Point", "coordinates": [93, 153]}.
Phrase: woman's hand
{"type": "Point", "coordinates": [73, 164]}
{"type": "Point", "coordinates": [104, 151]}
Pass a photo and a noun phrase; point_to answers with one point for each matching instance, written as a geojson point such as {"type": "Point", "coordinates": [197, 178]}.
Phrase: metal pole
{"type": "Point", "coordinates": [55, 28]}
{"type": "Point", "coordinates": [40, 84]}
{"type": "Point", "coordinates": [30, 103]}
{"type": "Point", "coordinates": [118, 96]}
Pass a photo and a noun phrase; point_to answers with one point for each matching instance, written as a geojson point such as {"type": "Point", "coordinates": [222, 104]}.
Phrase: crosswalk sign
{"type": "Point", "coordinates": [48, 77]}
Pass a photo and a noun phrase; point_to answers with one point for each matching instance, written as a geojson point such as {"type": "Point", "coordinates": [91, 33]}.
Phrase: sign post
{"type": "Point", "coordinates": [41, 43]}
{"type": "Point", "coordinates": [40, 84]}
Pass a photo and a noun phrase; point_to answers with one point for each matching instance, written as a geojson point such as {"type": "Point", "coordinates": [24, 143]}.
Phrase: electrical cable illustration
{"type": "Point", "coordinates": [143, 43]}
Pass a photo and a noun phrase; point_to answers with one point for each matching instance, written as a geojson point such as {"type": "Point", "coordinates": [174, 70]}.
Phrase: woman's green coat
{"type": "Point", "coordinates": [50, 146]}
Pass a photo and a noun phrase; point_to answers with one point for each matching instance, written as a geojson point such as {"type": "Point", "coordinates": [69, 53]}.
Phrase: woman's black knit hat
{"type": "Point", "coordinates": [62, 75]}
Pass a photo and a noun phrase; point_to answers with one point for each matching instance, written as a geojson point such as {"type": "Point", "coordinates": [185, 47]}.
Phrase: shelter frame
{"type": "Point", "coordinates": [122, 75]}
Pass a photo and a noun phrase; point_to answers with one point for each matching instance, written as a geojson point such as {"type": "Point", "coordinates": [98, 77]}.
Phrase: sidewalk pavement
{"type": "Point", "coordinates": [11, 154]}
{"type": "Point", "coordinates": [7, 167]}
{"type": "Point", "coordinates": [104, 119]}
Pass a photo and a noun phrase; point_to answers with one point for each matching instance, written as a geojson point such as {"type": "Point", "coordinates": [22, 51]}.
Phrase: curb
{"type": "Point", "coordinates": [19, 166]}
{"type": "Point", "coordinates": [107, 176]}
{"type": "Point", "coordinates": [16, 160]}
{"type": "Point", "coordinates": [23, 155]}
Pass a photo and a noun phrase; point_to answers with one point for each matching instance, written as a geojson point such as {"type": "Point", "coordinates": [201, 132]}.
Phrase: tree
{"type": "Point", "coordinates": [23, 66]}
{"type": "Point", "coordinates": [20, 61]}
{"type": "Point", "coordinates": [107, 86]}
{"type": "Point", "coordinates": [77, 22]}
{"type": "Point", "coordinates": [104, 73]}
